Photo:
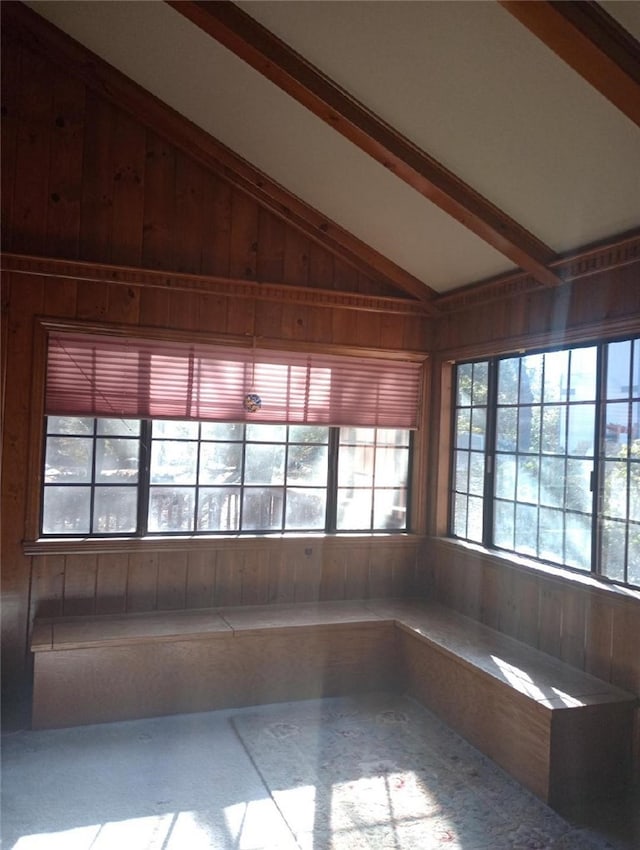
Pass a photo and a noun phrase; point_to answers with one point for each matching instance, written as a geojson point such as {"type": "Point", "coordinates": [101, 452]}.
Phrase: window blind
{"type": "Point", "coordinates": [94, 375]}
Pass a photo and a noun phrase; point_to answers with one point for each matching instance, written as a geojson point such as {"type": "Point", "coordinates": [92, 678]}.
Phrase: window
{"type": "Point", "coordinates": [145, 436]}
{"type": "Point", "coordinates": [129, 477]}
{"type": "Point", "coordinates": [546, 457]}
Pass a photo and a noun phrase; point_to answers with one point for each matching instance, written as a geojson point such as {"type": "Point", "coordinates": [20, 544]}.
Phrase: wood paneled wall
{"type": "Point", "coordinates": [82, 180]}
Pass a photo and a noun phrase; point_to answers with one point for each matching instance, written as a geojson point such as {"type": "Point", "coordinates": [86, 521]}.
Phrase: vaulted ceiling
{"type": "Point", "coordinates": [460, 140]}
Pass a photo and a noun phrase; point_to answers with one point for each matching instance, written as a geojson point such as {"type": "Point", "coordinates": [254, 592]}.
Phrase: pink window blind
{"type": "Point", "coordinates": [91, 375]}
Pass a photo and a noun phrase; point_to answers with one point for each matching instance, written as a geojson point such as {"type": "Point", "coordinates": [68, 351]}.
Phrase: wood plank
{"type": "Point", "coordinates": [10, 74]}
{"type": "Point", "coordinates": [255, 577]}
{"type": "Point", "coordinates": [80, 573]}
{"type": "Point", "coordinates": [190, 223]}
{"type": "Point", "coordinates": [357, 584]}
{"type": "Point", "coordinates": [332, 581]}
{"type": "Point", "coordinates": [142, 581]}
{"type": "Point", "coordinates": [201, 579]}
{"type": "Point", "coordinates": [65, 166]}
{"type": "Point", "coordinates": [625, 655]}
{"type": "Point", "coordinates": [216, 214]}
{"type": "Point", "coordinates": [550, 636]}
{"type": "Point", "coordinates": [381, 564]}
{"type": "Point", "coordinates": [296, 258]}
{"type": "Point", "coordinates": [128, 175]}
{"type": "Point", "coordinates": [47, 586]}
{"type": "Point", "coordinates": [123, 304]}
{"type": "Point", "coordinates": [271, 246]}
{"type": "Point", "coordinates": [32, 160]}
{"type": "Point", "coordinates": [60, 297]}
{"type": "Point", "coordinates": [92, 300]}
{"type": "Point", "coordinates": [228, 589]}
{"type": "Point", "coordinates": [599, 637]}
{"type": "Point", "coordinates": [282, 577]}
{"type": "Point", "coordinates": [111, 583]}
{"type": "Point", "coordinates": [153, 310]}
{"type": "Point", "coordinates": [308, 561]}
{"type": "Point", "coordinates": [96, 219]}
{"type": "Point", "coordinates": [211, 313]}
{"type": "Point", "coordinates": [572, 646]}
{"type": "Point", "coordinates": [243, 246]}
{"type": "Point", "coordinates": [159, 243]}
{"type": "Point", "coordinates": [172, 580]}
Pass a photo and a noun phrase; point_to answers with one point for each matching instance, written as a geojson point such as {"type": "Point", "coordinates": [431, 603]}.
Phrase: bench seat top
{"type": "Point", "coordinates": [536, 675]}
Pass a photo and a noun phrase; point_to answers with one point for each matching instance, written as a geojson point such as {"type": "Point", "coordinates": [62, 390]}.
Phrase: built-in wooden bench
{"type": "Point", "coordinates": [563, 733]}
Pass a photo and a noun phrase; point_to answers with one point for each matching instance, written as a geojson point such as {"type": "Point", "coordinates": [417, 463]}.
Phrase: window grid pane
{"type": "Point", "coordinates": [545, 432]}
{"type": "Point", "coordinates": [373, 478]}
{"type": "Point", "coordinates": [561, 423]}
{"type": "Point", "coordinates": [469, 440]}
{"type": "Point", "coordinates": [90, 477]}
{"type": "Point", "coordinates": [619, 491]}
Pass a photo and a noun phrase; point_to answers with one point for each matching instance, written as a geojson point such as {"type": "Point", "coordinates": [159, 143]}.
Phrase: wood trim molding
{"type": "Point", "coordinates": [270, 56]}
{"type": "Point", "coordinates": [99, 546]}
{"type": "Point", "coordinates": [216, 286]}
{"type": "Point", "coordinates": [603, 329]}
{"type": "Point", "coordinates": [42, 37]}
{"type": "Point", "coordinates": [593, 43]}
{"type": "Point", "coordinates": [622, 251]}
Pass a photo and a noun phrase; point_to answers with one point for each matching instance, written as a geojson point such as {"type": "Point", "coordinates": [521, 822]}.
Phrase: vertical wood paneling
{"type": "Point", "coordinates": [381, 571]}
{"type": "Point", "coordinates": [572, 647]}
{"type": "Point", "coordinates": [160, 240]}
{"type": "Point", "coordinates": [599, 637]}
{"type": "Point", "coordinates": [216, 213]}
{"type": "Point", "coordinates": [243, 247]}
{"type": "Point", "coordinates": [10, 69]}
{"type": "Point", "coordinates": [47, 586]}
{"type": "Point", "coordinates": [123, 304]}
{"type": "Point", "coordinates": [142, 581]}
{"type": "Point", "coordinates": [65, 167]}
{"type": "Point", "coordinates": [229, 567]}
{"type": "Point", "coordinates": [201, 579]}
{"type": "Point", "coordinates": [308, 561]}
{"type": "Point", "coordinates": [255, 578]}
{"type": "Point", "coordinates": [528, 601]}
{"type": "Point", "coordinates": [80, 573]}
{"type": "Point", "coordinates": [172, 580]}
{"type": "Point", "coordinates": [190, 180]}
{"type": "Point", "coordinates": [60, 297]}
{"type": "Point", "coordinates": [96, 210]}
{"type": "Point", "coordinates": [332, 582]}
{"type": "Point", "coordinates": [550, 626]}
{"type": "Point", "coordinates": [128, 164]}
{"type": "Point", "coordinates": [282, 577]}
{"type": "Point", "coordinates": [625, 650]}
{"type": "Point", "coordinates": [296, 258]}
{"type": "Point", "coordinates": [356, 584]}
{"type": "Point", "coordinates": [153, 310]}
{"type": "Point", "coordinates": [211, 313]}
{"type": "Point", "coordinates": [92, 301]}
{"type": "Point", "coordinates": [111, 584]}
{"type": "Point", "coordinates": [271, 242]}
{"type": "Point", "coordinates": [491, 591]}
{"type": "Point", "coordinates": [25, 299]}
{"type": "Point", "coordinates": [30, 201]}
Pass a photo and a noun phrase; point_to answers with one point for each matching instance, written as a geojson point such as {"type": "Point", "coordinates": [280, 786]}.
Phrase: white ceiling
{"type": "Point", "coordinates": [464, 81]}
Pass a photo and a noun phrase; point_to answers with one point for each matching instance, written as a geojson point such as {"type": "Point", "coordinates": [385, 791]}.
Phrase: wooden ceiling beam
{"type": "Point", "coordinates": [41, 36]}
{"type": "Point", "coordinates": [266, 53]}
{"type": "Point", "coordinates": [591, 42]}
